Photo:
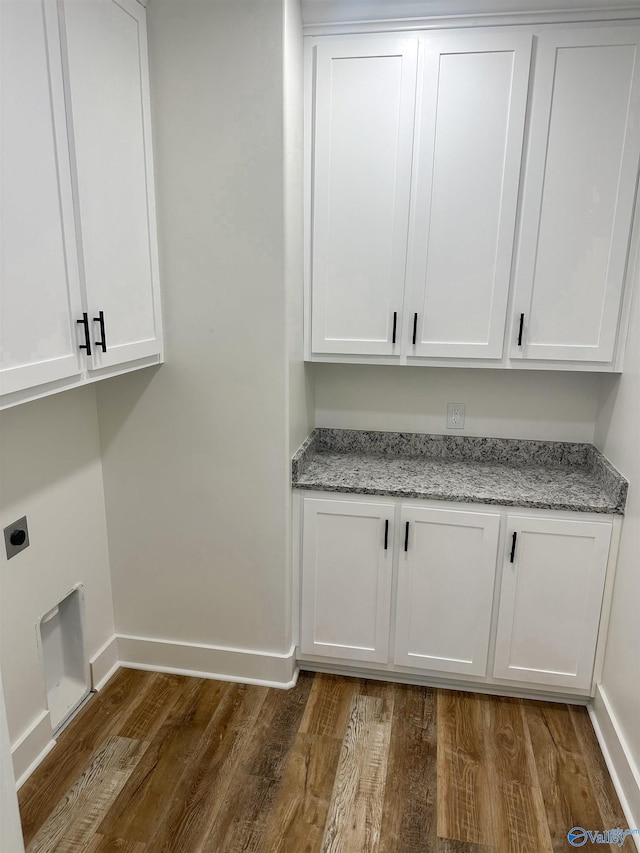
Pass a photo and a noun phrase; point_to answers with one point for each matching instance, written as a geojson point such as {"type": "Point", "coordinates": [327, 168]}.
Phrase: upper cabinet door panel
{"type": "Point", "coordinates": [581, 176]}
{"type": "Point", "coordinates": [109, 118]}
{"type": "Point", "coordinates": [363, 130]}
{"type": "Point", "coordinates": [471, 114]}
{"type": "Point", "coordinates": [40, 286]}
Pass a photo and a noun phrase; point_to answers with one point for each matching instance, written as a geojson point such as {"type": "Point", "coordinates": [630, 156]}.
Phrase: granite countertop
{"type": "Point", "coordinates": [508, 472]}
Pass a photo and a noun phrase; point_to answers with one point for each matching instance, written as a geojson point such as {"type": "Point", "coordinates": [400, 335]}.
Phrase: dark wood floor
{"type": "Point", "coordinates": [157, 763]}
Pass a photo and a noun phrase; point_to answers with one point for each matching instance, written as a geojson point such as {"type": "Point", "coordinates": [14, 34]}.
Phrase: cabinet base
{"type": "Point", "coordinates": [401, 677]}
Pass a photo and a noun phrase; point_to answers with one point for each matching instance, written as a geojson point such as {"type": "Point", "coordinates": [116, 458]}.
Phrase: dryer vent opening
{"type": "Point", "coordinates": [66, 667]}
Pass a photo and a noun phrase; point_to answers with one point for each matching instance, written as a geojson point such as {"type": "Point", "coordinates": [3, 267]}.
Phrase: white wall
{"type": "Point", "coordinates": [300, 395]}
{"type": "Point", "coordinates": [10, 830]}
{"type": "Point", "coordinates": [618, 436]}
{"type": "Point", "coordinates": [506, 404]}
{"type": "Point", "coordinates": [301, 392]}
{"type": "Point", "coordinates": [196, 453]}
{"type": "Point", "coordinates": [50, 471]}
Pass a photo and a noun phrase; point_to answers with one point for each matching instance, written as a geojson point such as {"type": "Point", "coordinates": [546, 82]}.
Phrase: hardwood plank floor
{"type": "Point", "coordinates": [565, 784]}
{"type": "Point", "coordinates": [160, 763]}
{"type": "Point", "coordinates": [355, 814]}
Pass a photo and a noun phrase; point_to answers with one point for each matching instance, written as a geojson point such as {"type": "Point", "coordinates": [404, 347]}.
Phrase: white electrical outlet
{"type": "Point", "coordinates": [455, 415]}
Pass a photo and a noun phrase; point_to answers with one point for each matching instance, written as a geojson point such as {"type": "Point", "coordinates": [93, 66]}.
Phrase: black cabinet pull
{"type": "Point", "coordinates": [513, 547]}
{"type": "Point", "coordinates": [395, 325]}
{"type": "Point", "coordinates": [520, 330]}
{"type": "Point", "coordinates": [103, 338]}
{"type": "Point", "coordinates": [415, 328]}
{"type": "Point", "coordinates": [406, 537]}
{"type": "Point", "coordinates": [87, 343]}
{"type": "Point", "coordinates": [386, 534]}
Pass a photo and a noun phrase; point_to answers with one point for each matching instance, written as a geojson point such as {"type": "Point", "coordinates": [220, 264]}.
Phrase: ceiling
{"type": "Point", "coordinates": [341, 11]}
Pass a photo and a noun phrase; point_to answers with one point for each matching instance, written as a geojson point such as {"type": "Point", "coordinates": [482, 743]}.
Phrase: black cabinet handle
{"type": "Point", "coordinates": [386, 534]}
{"type": "Point", "coordinates": [103, 338]}
{"type": "Point", "coordinates": [87, 343]}
{"type": "Point", "coordinates": [513, 547]}
{"type": "Point", "coordinates": [406, 537]}
{"type": "Point", "coordinates": [520, 330]}
{"type": "Point", "coordinates": [395, 326]}
{"type": "Point", "coordinates": [415, 328]}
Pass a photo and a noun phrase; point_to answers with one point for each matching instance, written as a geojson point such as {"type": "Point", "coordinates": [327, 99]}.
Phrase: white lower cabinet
{"type": "Point", "coordinates": [346, 579]}
{"type": "Point", "coordinates": [446, 576]}
{"type": "Point", "coordinates": [551, 599]}
{"type": "Point", "coordinates": [411, 587]}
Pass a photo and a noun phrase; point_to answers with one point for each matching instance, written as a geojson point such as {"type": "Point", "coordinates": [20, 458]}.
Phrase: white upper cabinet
{"type": "Point", "coordinates": [40, 294]}
{"type": "Point", "coordinates": [362, 138]}
{"type": "Point", "coordinates": [486, 222]}
{"type": "Point", "coordinates": [79, 294]}
{"type": "Point", "coordinates": [469, 135]}
{"type": "Point", "coordinates": [106, 52]}
{"type": "Point", "coordinates": [581, 176]}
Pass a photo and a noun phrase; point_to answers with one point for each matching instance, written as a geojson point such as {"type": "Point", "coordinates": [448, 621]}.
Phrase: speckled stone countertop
{"type": "Point", "coordinates": [509, 472]}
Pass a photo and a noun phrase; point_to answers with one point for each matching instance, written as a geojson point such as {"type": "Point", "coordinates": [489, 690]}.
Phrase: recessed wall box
{"type": "Point", "coordinates": [16, 537]}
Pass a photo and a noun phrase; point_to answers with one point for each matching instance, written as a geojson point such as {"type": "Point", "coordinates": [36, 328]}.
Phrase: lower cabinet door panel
{"type": "Point", "coordinates": [550, 602]}
{"type": "Point", "coordinates": [445, 590]}
{"type": "Point", "coordinates": [346, 579]}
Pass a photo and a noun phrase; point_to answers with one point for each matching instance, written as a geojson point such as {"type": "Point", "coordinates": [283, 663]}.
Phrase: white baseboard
{"type": "Point", "coordinates": [624, 771]}
{"type": "Point", "coordinates": [104, 663]}
{"type": "Point", "coordinates": [270, 669]}
{"type": "Point", "coordinates": [30, 749]}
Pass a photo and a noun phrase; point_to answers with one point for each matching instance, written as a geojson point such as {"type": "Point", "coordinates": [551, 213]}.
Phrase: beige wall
{"type": "Point", "coordinates": [50, 471]}
{"type": "Point", "coordinates": [195, 453]}
{"type": "Point", "coordinates": [548, 405]}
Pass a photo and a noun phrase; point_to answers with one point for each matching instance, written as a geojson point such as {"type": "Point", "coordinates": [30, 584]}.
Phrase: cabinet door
{"type": "Point", "coordinates": [581, 175]}
{"type": "Point", "coordinates": [467, 169]}
{"type": "Point", "coordinates": [106, 52]}
{"type": "Point", "coordinates": [40, 296]}
{"type": "Point", "coordinates": [346, 579]}
{"type": "Point", "coordinates": [445, 589]}
{"type": "Point", "coordinates": [550, 601]}
{"type": "Point", "coordinates": [363, 131]}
